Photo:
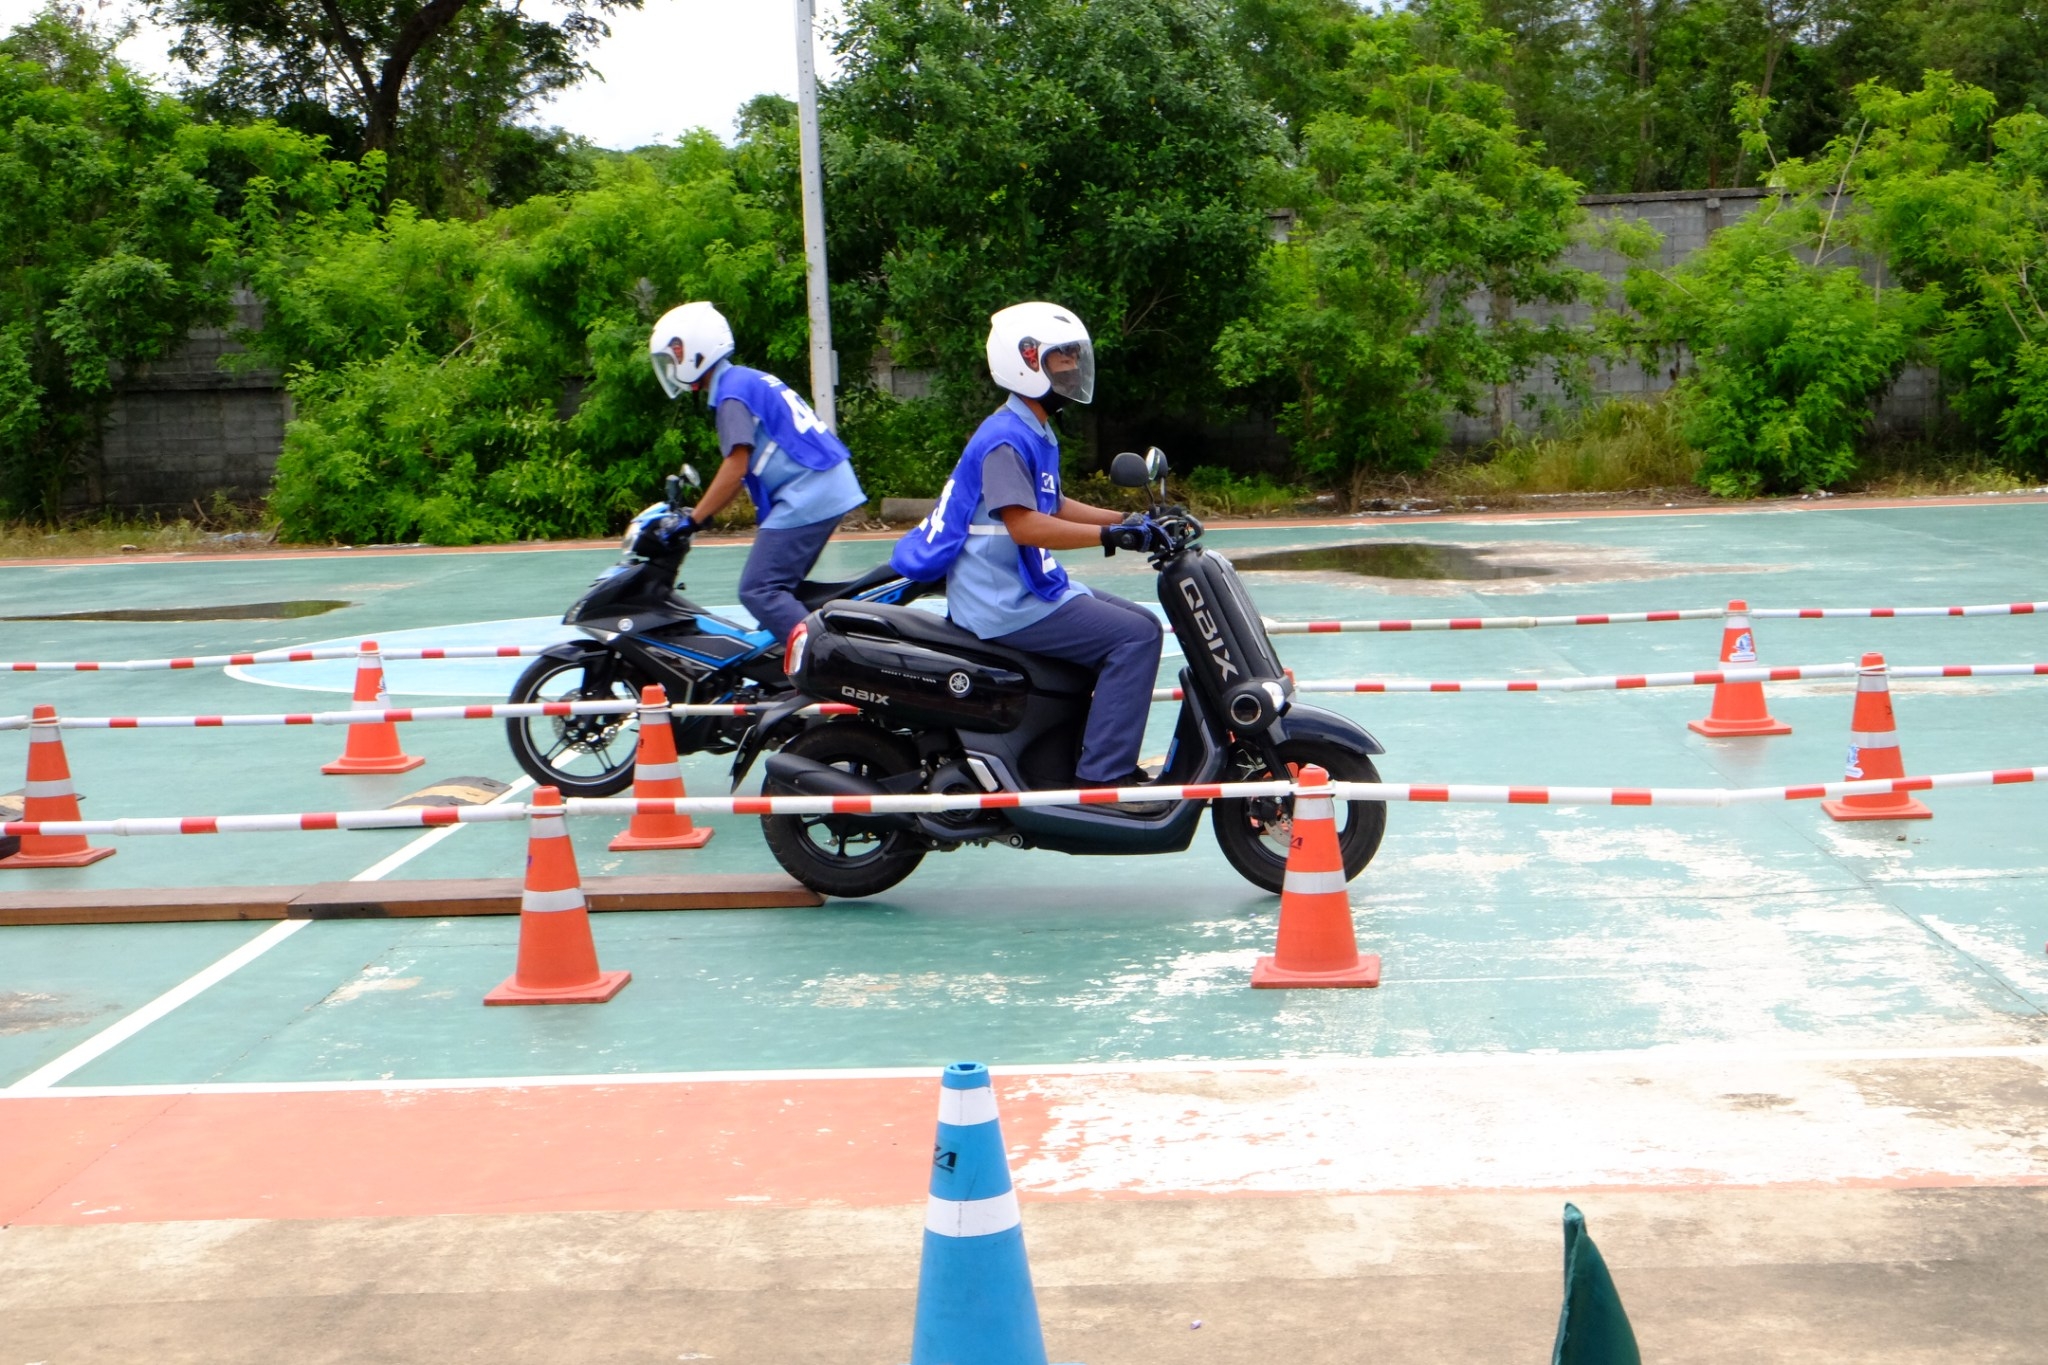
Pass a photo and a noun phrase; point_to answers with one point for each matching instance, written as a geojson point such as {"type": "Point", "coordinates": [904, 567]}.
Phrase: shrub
{"type": "Point", "coordinates": [1620, 444]}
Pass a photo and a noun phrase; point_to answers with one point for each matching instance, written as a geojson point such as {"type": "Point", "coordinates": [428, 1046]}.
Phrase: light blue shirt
{"type": "Point", "coordinates": [796, 496]}
{"type": "Point", "coordinates": [984, 592]}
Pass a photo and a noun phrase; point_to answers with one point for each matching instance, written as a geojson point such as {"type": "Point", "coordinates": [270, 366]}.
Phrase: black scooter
{"type": "Point", "coordinates": [944, 711]}
{"type": "Point", "coordinates": [642, 630]}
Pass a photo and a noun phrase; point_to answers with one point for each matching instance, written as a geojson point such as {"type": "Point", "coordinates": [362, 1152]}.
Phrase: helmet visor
{"type": "Point", "coordinates": [666, 370]}
{"type": "Point", "coordinates": [1070, 369]}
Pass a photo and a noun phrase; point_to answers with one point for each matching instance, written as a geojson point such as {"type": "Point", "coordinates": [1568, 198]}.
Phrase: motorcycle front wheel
{"type": "Point", "coordinates": [1255, 834]}
{"type": "Point", "coordinates": [579, 755]}
{"type": "Point", "coordinates": [827, 853]}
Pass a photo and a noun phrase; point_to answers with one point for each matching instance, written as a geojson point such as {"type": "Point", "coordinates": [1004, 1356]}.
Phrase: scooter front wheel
{"type": "Point", "coordinates": [1255, 834]}
{"type": "Point", "coordinates": [580, 755]}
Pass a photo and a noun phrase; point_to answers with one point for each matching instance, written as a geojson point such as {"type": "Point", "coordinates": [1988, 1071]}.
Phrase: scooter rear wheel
{"type": "Point", "coordinates": [1254, 834]}
{"type": "Point", "coordinates": [822, 851]}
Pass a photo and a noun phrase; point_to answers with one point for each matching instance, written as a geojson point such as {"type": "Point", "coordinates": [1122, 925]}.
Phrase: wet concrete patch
{"type": "Point", "coordinates": [33, 1011]}
{"type": "Point", "coordinates": [1392, 559]}
{"type": "Point", "coordinates": [1442, 568]}
{"type": "Point", "coordinates": [234, 611]}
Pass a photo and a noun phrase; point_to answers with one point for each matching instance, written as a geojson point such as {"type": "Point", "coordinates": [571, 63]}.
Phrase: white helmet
{"type": "Point", "coordinates": [688, 340]}
{"type": "Point", "coordinates": [1037, 348]}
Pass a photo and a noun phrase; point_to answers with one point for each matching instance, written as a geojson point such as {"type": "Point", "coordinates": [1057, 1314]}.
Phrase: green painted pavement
{"type": "Point", "coordinates": [1501, 929]}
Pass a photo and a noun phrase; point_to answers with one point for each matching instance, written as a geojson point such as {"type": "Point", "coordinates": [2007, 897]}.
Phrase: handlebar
{"type": "Point", "coordinates": [1182, 528]}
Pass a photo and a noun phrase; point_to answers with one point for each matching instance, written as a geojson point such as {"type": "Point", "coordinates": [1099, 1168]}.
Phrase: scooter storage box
{"type": "Point", "coordinates": [1218, 624]}
{"type": "Point", "coordinates": [905, 683]}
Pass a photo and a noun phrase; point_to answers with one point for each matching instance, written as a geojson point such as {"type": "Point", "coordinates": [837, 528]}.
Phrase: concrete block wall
{"type": "Point", "coordinates": [183, 429]}
{"type": "Point", "coordinates": [1685, 220]}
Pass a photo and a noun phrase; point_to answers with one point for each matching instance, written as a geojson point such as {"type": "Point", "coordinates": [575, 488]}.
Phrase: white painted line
{"type": "Point", "coordinates": [379, 871]}
{"type": "Point", "coordinates": [45, 1077]}
{"type": "Point", "coordinates": [1449, 1061]}
{"type": "Point", "coordinates": [112, 1037]}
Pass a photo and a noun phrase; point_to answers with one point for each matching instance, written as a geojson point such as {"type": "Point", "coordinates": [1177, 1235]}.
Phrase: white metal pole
{"type": "Point", "coordinates": [823, 366]}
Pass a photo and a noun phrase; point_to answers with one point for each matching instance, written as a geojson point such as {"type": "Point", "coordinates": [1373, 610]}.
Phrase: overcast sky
{"type": "Point", "coordinates": [675, 65]}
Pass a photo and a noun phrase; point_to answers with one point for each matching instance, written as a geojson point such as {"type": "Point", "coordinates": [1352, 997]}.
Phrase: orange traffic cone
{"type": "Point", "coordinates": [1874, 752]}
{"type": "Point", "coordinates": [373, 747]}
{"type": "Point", "coordinates": [1316, 945]}
{"type": "Point", "coordinates": [1738, 707]}
{"type": "Point", "coordinates": [657, 776]}
{"type": "Point", "coordinates": [557, 959]}
{"type": "Point", "coordinates": [50, 796]}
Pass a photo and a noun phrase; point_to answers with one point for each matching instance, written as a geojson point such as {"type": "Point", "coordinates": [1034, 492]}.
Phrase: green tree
{"type": "Point", "coordinates": [437, 86]}
{"type": "Point", "coordinates": [1424, 220]}
{"type": "Point", "coordinates": [463, 382]}
{"type": "Point", "coordinates": [1789, 343]}
{"type": "Point", "coordinates": [121, 234]}
{"type": "Point", "coordinates": [1098, 153]}
{"type": "Point", "coordinates": [1972, 229]}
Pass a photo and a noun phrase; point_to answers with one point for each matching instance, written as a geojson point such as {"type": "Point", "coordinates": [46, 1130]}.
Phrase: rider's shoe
{"type": "Point", "coordinates": [1138, 777]}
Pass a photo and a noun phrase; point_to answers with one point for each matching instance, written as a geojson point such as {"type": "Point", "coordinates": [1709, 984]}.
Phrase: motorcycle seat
{"type": "Point", "coordinates": [936, 632]}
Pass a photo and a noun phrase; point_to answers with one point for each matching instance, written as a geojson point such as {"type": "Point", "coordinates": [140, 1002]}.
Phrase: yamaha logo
{"type": "Point", "coordinates": [625, 623]}
{"type": "Point", "coordinates": [959, 684]}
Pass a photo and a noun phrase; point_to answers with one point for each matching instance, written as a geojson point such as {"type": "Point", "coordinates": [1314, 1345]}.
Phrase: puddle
{"type": "Point", "coordinates": [238, 611]}
{"type": "Point", "coordinates": [1391, 559]}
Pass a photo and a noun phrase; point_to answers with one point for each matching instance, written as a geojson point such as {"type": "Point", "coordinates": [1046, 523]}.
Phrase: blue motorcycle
{"type": "Point", "coordinates": [641, 629]}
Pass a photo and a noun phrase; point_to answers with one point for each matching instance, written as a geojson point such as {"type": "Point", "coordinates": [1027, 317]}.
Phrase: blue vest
{"type": "Point", "coordinates": [788, 421]}
{"type": "Point", "coordinates": [932, 546]}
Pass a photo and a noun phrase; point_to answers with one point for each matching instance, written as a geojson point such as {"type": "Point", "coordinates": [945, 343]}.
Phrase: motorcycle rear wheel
{"type": "Point", "coordinates": [579, 755]}
{"type": "Point", "coordinates": [843, 862]}
{"type": "Point", "coordinates": [1255, 834]}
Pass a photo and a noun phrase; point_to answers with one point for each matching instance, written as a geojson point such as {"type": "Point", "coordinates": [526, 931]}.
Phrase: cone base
{"type": "Point", "coordinates": [630, 842]}
{"type": "Point", "coordinates": [1737, 729]}
{"type": "Point", "coordinates": [1267, 975]}
{"type": "Point", "coordinates": [1906, 809]}
{"type": "Point", "coordinates": [82, 858]}
{"type": "Point", "coordinates": [401, 763]}
{"type": "Point", "coordinates": [607, 985]}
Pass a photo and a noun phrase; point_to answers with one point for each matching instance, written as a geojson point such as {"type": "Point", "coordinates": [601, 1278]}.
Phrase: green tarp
{"type": "Point", "coordinates": [1592, 1328]}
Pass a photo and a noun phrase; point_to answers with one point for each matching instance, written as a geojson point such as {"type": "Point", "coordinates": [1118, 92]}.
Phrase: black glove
{"type": "Point", "coordinates": [664, 533]}
{"type": "Point", "coordinates": [1137, 532]}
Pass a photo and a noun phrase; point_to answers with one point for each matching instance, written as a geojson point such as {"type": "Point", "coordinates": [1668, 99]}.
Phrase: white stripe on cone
{"type": "Point", "coordinates": [972, 1217]}
{"type": "Point", "coordinates": [1312, 883]}
{"type": "Point", "coordinates": [965, 1108]}
{"type": "Point", "coordinates": [655, 772]}
{"type": "Point", "coordinates": [549, 901]}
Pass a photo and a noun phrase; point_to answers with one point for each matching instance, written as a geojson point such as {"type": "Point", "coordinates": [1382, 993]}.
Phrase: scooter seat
{"type": "Point", "coordinates": [815, 595]}
{"type": "Point", "coordinates": [936, 632]}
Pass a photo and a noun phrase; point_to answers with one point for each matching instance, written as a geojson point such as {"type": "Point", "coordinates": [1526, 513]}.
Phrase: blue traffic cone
{"type": "Point", "coordinates": [974, 1300]}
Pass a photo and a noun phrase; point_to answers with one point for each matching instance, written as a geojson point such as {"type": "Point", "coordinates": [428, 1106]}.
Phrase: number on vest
{"type": "Point", "coordinates": [935, 520]}
{"type": "Point", "coordinates": [806, 420]}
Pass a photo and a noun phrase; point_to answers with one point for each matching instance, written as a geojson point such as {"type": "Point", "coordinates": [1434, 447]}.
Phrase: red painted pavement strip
{"type": "Point", "coordinates": [696, 1145]}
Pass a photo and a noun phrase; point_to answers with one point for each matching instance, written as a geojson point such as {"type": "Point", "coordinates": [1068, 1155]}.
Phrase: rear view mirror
{"type": "Point", "coordinates": [692, 479]}
{"type": "Point", "coordinates": [1155, 465]}
{"type": "Point", "coordinates": [1131, 470]}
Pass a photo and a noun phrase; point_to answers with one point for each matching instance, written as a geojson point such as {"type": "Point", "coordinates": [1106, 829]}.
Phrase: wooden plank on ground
{"type": "Point", "coordinates": [146, 905]}
{"type": "Point", "coordinates": [441, 899]}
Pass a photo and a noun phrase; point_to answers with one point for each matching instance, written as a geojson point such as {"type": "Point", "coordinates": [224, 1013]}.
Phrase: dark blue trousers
{"type": "Point", "coordinates": [1121, 641]}
{"type": "Point", "coordinates": [776, 564]}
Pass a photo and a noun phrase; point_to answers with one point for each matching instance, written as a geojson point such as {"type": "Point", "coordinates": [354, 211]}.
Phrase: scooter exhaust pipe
{"type": "Point", "coordinates": [800, 776]}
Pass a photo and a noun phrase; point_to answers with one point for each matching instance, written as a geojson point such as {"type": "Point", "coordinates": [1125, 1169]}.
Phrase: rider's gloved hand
{"type": "Point", "coordinates": [664, 533]}
{"type": "Point", "coordinates": [1135, 532]}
